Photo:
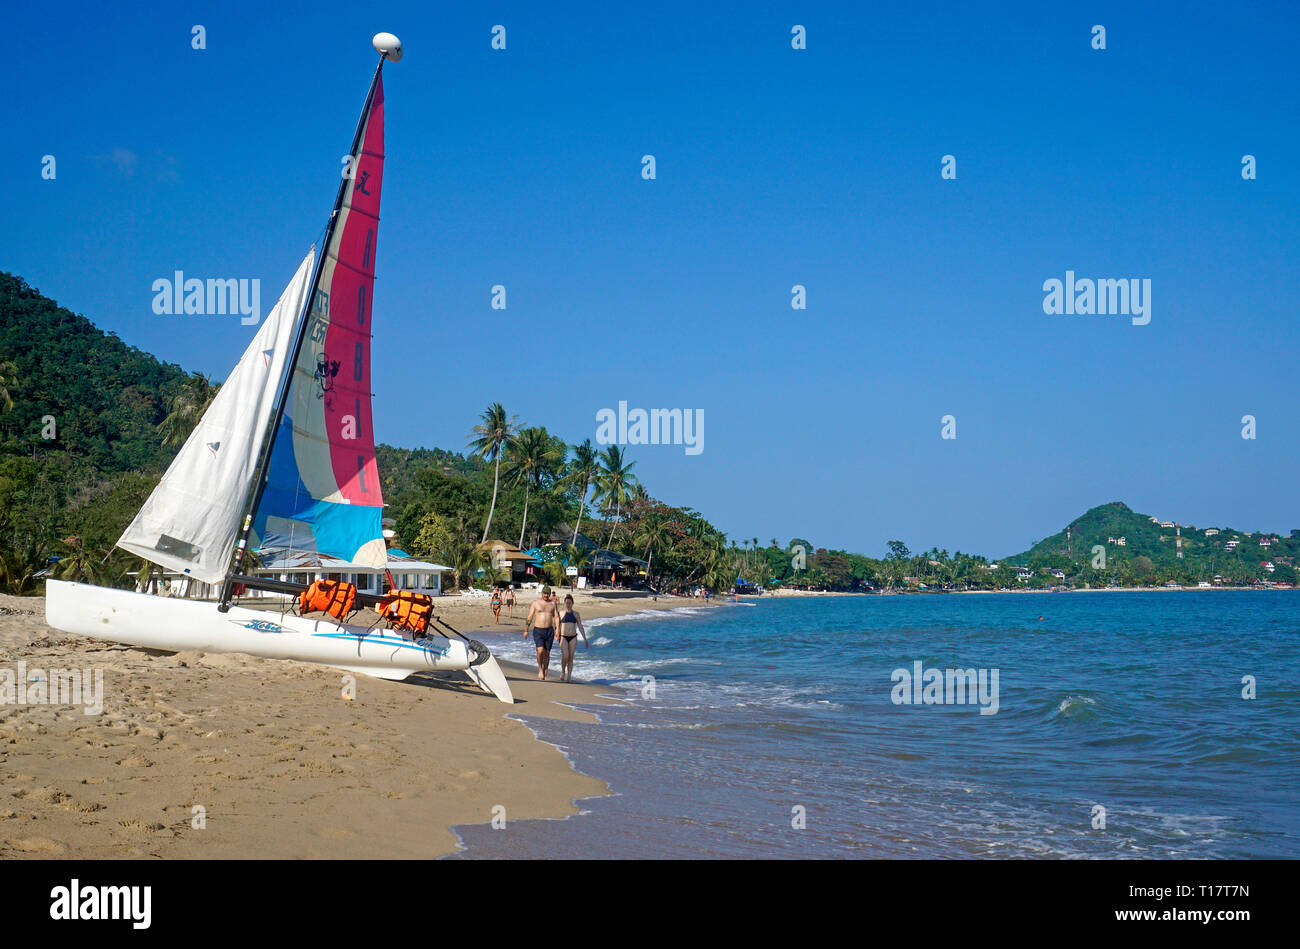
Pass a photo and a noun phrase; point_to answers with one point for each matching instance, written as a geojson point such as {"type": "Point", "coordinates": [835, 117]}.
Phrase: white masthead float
{"type": "Point", "coordinates": [284, 460]}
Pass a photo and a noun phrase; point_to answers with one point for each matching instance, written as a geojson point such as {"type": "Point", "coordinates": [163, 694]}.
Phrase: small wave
{"type": "Point", "coordinates": [1075, 708]}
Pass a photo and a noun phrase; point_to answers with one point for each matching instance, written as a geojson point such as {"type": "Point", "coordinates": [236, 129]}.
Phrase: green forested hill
{"type": "Point", "coordinates": [1150, 547]}
{"type": "Point", "coordinates": [106, 397]}
{"type": "Point", "coordinates": [102, 401]}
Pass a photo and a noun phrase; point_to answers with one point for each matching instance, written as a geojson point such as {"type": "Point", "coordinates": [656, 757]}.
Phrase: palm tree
{"type": "Point", "coordinates": [494, 434]}
{"type": "Point", "coordinates": [577, 557]}
{"type": "Point", "coordinates": [586, 463]}
{"type": "Point", "coordinates": [186, 408]}
{"type": "Point", "coordinates": [653, 534]}
{"type": "Point", "coordinates": [80, 564]}
{"type": "Point", "coordinates": [465, 559]}
{"type": "Point", "coordinates": [532, 455]}
{"type": "Point", "coordinates": [8, 377]}
{"type": "Point", "coordinates": [615, 483]}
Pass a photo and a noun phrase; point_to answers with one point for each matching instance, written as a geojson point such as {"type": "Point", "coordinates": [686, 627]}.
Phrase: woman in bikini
{"type": "Point", "coordinates": [570, 626]}
{"type": "Point", "coordinates": [496, 605]}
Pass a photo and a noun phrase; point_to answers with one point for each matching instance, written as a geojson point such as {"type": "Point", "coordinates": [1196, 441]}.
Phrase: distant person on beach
{"type": "Point", "coordinates": [496, 604]}
{"type": "Point", "coordinates": [570, 626]}
{"type": "Point", "coordinates": [510, 602]}
{"type": "Point", "coordinates": [541, 622]}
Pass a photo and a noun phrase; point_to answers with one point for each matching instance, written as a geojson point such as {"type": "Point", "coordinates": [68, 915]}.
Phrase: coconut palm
{"type": "Point", "coordinates": [615, 483]}
{"type": "Point", "coordinates": [145, 573]}
{"type": "Point", "coordinates": [654, 535]}
{"type": "Point", "coordinates": [81, 564]}
{"type": "Point", "coordinates": [531, 456]}
{"type": "Point", "coordinates": [465, 560]}
{"type": "Point", "coordinates": [493, 435]}
{"type": "Point", "coordinates": [186, 408]}
{"type": "Point", "coordinates": [577, 557]}
{"type": "Point", "coordinates": [583, 470]}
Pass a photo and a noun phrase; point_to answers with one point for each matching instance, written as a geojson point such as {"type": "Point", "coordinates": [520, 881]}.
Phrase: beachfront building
{"type": "Point", "coordinates": [299, 566]}
{"type": "Point", "coordinates": [603, 566]}
{"type": "Point", "coordinates": [518, 566]}
{"type": "Point", "coordinates": [295, 566]}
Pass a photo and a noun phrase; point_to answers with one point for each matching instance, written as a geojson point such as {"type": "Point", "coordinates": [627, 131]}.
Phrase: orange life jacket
{"type": "Point", "coordinates": [334, 597]}
{"type": "Point", "coordinates": [406, 610]}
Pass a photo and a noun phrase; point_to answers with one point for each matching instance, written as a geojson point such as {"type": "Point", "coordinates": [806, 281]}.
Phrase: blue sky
{"type": "Point", "coordinates": [775, 167]}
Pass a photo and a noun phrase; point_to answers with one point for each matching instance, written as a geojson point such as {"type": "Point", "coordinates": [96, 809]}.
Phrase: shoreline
{"type": "Point", "coordinates": [225, 755]}
{"type": "Point", "coordinates": [782, 594]}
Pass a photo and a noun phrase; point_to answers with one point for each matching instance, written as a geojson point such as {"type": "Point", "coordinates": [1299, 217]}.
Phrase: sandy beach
{"type": "Point", "coordinates": [279, 761]}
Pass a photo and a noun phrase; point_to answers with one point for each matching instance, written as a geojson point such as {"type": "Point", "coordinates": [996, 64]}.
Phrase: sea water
{"type": "Point", "coordinates": [775, 728]}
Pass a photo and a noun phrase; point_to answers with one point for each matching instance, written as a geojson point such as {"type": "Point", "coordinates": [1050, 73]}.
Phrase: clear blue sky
{"type": "Point", "coordinates": [775, 167]}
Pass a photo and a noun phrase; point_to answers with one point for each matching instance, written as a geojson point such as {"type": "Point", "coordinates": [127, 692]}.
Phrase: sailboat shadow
{"type": "Point", "coordinates": [451, 681]}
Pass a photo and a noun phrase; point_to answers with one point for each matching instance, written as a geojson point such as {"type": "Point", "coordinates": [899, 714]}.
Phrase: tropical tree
{"type": "Point", "coordinates": [186, 408]}
{"type": "Point", "coordinates": [615, 482]}
{"type": "Point", "coordinates": [491, 438]}
{"type": "Point", "coordinates": [582, 470]}
{"type": "Point", "coordinates": [81, 564]}
{"type": "Point", "coordinates": [434, 537]}
{"type": "Point", "coordinates": [19, 565]}
{"type": "Point", "coordinates": [465, 560]}
{"type": "Point", "coordinates": [654, 534]}
{"type": "Point", "coordinates": [531, 456]}
{"type": "Point", "coordinates": [576, 557]}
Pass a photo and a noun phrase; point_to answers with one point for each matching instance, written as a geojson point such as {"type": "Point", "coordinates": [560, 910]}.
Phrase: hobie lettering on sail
{"type": "Point", "coordinates": [322, 492]}
{"type": "Point", "coordinates": [191, 521]}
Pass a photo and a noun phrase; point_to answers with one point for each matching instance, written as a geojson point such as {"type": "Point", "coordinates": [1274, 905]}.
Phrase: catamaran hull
{"type": "Point", "coordinates": [159, 622]}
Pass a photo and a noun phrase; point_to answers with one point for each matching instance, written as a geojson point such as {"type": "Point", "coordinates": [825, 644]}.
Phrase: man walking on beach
{"type": "Point", "coordinates": [541, 622]}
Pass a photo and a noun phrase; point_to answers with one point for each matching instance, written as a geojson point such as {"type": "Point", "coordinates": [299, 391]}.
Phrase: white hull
{"type": "Point", "coordinates": [159, 622]}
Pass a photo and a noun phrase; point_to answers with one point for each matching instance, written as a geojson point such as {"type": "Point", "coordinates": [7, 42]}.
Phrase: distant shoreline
{"type": "Point", "coordinates": [784, 594]}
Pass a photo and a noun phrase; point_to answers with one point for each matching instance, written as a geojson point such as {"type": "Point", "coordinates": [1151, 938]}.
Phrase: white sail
{"type": "Point", "coordinates": [191, 521]}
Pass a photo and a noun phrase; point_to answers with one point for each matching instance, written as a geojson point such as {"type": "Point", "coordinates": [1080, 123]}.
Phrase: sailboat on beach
{"type": "Point", "coordinates": [284, 460]}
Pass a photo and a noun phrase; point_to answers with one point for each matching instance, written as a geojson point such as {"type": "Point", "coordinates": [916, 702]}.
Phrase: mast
{"type": "Point", "coordinates": [389, 47]}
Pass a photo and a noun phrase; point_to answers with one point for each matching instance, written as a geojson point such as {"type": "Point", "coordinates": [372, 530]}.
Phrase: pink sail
{"type": "Point", "coordinates": [323, 490]}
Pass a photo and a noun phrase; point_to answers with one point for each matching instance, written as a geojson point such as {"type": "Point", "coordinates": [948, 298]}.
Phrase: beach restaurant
{"type": "Point", "coordinates": [521, 567]}
{"type": "Point", "coordinates": [603, 566]}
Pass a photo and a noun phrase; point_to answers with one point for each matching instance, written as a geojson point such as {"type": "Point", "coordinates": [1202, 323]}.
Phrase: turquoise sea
{"type": "Point", "coordinates": [769, 729]}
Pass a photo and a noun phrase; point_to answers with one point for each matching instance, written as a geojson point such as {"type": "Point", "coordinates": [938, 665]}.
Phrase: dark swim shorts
{"type": "Point", "coordinates": [543, 637]}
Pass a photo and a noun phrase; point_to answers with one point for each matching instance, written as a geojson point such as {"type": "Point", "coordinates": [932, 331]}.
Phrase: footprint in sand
{"type": "Point", "coordinates": [138, 826]}
{"type": "Point", "coordinates": [34, 845]}
{"type": "Point", "coordinates": [43, 795]}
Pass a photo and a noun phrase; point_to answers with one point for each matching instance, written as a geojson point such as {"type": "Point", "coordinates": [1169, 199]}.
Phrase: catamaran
{"type": "Point", "coordinates": [284, 460]}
